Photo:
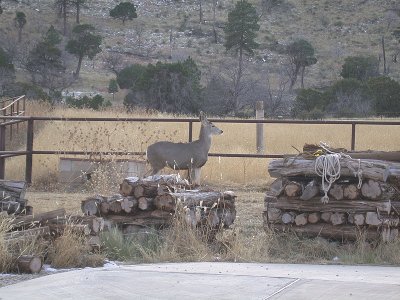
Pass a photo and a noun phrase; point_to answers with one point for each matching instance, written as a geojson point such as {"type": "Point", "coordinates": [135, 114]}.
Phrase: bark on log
{"type": "Point", "coordinates": [345, 206]}
{"type": "Point", "coordinates": [294, 166]}
{"type": "Point", "coordinates": [276, 188]}
{"type": "Point", "coordinates": [27, 233]}
{"type": "Point", "coordinates": [60, 229]}
{"type": "Point", "coordinates": [274, 214]}
{"type": "Point", "coordinates": [115, 207]}
{"type": "Point", "coordinates": [38, 219]}
{"type": "Point", "coordinates": [165, 202]}
{"type": "Point", "coordinates": [311, 190]}
{"type": "Point", "coordinates": [104, 208]}
{"type": "Point", "coordinates": [29, 264]}
{"type": "Point", "coordinates": [127, 186]}
{"type": "Point", "coordinates": [12, 190]}
{"type": "Point", "coordinates": [343, 232]}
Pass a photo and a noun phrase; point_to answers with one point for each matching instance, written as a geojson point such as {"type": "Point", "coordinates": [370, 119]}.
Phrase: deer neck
{"type": "Point", "coordinates": [205, 138]}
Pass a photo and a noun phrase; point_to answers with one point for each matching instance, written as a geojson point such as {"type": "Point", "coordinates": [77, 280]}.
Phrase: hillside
{"type": "Point", "coordinates": [170, 31]}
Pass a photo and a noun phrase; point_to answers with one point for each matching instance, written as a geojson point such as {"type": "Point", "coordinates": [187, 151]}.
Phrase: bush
{"type": "Point", "coordinates": [308, 100]}
{"type": "Point", "coordinates": [360, 67]}
{"type": "Point", "coordinates": [96, 103]}
{"type": "Point", "coordinates": [31, 91]}
{"type": "Point", "coordinates": [385, 94]}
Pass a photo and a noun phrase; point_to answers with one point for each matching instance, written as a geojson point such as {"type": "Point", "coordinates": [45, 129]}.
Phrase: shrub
{"type": "Point", "coordinates": [360, 67]}
{"type": "Point", "coordinates": [96, 103]}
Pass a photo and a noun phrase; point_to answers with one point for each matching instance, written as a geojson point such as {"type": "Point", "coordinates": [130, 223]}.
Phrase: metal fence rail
{"type": "Point", "coordinates": [29, 151]}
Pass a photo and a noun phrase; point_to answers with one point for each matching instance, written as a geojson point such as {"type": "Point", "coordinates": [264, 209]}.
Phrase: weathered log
{"type": "Point", "coordinates": [338, 218]}
{"type": "Point", "coordinates": [293, 189]}
{"type": "Point", "coordinates": [276, 188]}
{"type": "Point", "coordinates": [351, 192]}
{"type": "Point", "coordinates": [371, 189]}
{"type": "Point", "coordinates": [310, 191]}
{"type": "Point", "coordinates": [128, 204]}
{"type": "Point", "coordinates": [11, 207]}
{"type": "Point", "coordinates": [345, 206]}
{"type": "Point", "coordinates": [96, 224]}
{"type": "Point", "coordinates": [274, 214]}
{"type": "Point", "coordinates": [90, 206]}
{"type": "Point", "coordinates": [115, 207]}
{"type": "Point", "coordinates": [104, 207]}
{"type": "Point", "coordinates": [213, 219]}
{"type": "Point", "coordinates": [326, 216]}
{"type": "Point", "coordinates": [372, 219]}
{"type": "Point", "coordinates": [394, 234]}
{"type": "Point", "coordinates": [29, 264]}
{"type": "Point", "coordinates": [165, 202]}
{"type": "Point", "coordinates": [60, 229]}
{"type": "Point", "coordinates": [127, 186]}
{"type": "Point", "coordinates": [314, 217]}
{"type": "Point", "coordinates": [27, 233]}
{"type": "Point", "coordinates": [288, 217]}
{"type": "Point", "coordinates": [356, 219]}
{"type": "Point", "coordinates": [37, 219]}
{"type": "Point", "coordinates": [208, 199]}
{"type": "Point", "coordinates": [301, 219]}
{"type": "Point", "coordinates": [226, 215]}
{"type": "Point", "coordinates": [342, 232]}
{"type": "Point", "coordinates": [336, 192]}
{"type": "Point", "coordinates": [295, 166]}
{"type": "Point", "coordinates": [145, 203]}
{"type": "Point", "coordinates": [12, 190]}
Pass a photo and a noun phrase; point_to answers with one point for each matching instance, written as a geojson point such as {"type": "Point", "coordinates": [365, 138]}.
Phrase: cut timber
{"type": "Point", "coordinates": [12, 190]}
{"type": "Point", "coordinates": [351, 192]}
{"type": "Point", "coordinates": [310, 191]}
{"type": "Point", "coordinates": [115, 207]}
{"type": "Point", "coordinates": [343, 232]}
{"type": "Point", "coordinates": [274, 214]}
{"type": "Point", "coordinates": [28, 233]}
{"type": "Point", "coordinates": [356, 219]}
{"type": "Point", "coordinates": [276, 188]}
{"type": "Point", "coordinates": [288, 217]}
{"type": "Point", "coordinates": [145, 203]}
{"type": "Point", "coordinates": [29, 264]}
{"type": "Point", "coordinates": [38, 219]}
{"type": "Point", "coordinates": [104, 207]}
{"type": "Point", "coordinates": [209, 199]}
{"type": "Point", "coordinates": [301, 219]}
{"type": "Point", "coordinates": [165, 202]}
{"type": "Point", "coordinates": [336, 192]}
{"type": "Point", "coordinates": [338, 218]}
{"type": "Point", "coordinates": [127, 204]}
{"type": "Point", "coordinates": [293, 189]}
{"type": "Point", "coordinates": [371, 189]}
{"type": "Point", "coordinates": [372, 219]}
{"type": "Point", "coordinates": [326, 216]}
{"type": "Point", "coordinates": [294, 166]}
{"type": "Point", "coordinates": [344, 206]}
{"type": "Point", "coordinates": [80, 229]}
{"type": "Point", "coordinates": [127, 186]}
{"type": "Point", "coordinates": [314, 218]}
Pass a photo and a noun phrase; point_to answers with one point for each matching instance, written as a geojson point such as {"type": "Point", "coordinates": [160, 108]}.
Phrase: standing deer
{"type": "Point", "coordinates": [184, 156]}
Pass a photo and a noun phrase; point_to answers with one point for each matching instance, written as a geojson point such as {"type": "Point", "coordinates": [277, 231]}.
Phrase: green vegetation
{"type": "Point", "coordinates": [97, 102]}
{"type": "Point", "coordinates": [124, 11]}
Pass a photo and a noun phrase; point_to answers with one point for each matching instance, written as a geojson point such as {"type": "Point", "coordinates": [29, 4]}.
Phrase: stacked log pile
{"type": "Point", "coordinates": [153, 202]}
{"type": "Point", "coordinates": [365, 199]}
{"type": "Point", "coordinates": [12, 197]}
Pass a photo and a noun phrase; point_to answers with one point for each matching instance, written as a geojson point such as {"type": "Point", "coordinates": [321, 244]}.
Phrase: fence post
{"type": "Point", "coordinates": [29, 149]}
{"type": "Point", "coordinates": [353, 136]}
{"type": "Point", "coordinates": [190, 131]}
{"type": "Point", "coordinates": [2, 148]}
{"type": "Point", "coordinates": [260, 127]}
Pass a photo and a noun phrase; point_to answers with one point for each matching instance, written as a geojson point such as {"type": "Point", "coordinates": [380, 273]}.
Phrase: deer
{"type": "Point", "coordinates": [184, 156]}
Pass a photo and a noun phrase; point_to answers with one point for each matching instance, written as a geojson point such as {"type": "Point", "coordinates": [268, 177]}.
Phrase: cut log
{"type": "Point", "coordinates": [38, 219]}
{"type": "Point", "coordinates": [104, 207]}
{"type": "Point", "coordinates": [127, 204]}
{"type": "Point", "coordinates": [336, 192]}
{"type": "Point", "coordinates": [356, 219]}
{"type": "Point", "coordinates": [326, 216]}
{"type": "Point", "coordinates": [338, 218]}
{"type": "Point", "coordinates": [314, 218]}
{"type": "Point", "coordinates": [372, 219]}
{"type": "Point", "coordinates": [295, 166]}
{"type": "Point", "coordinates": [344, 206]}
{"type": "Point", "coordinates": [127, 186]}
{"type": "Point", "coordinates": [371, 189]}
{"type": "Point", "coordinates": [293, 189]}
{"type": "Point", "coordinates": [276, 188]}
{"type": "Point", "coordinates": [351, 192]}
{"type": "Point", "coordinates": [29, 264]}
{"type": "Point", "coordinates": [60, 229]}
{"type": "Point", "coordinates": [311, 190]}
{"type": "Point", "coordinates": [274, 214]}
{"type": "Point", "coordinates": [165, 202]}
{"type": "Point", "coordinates": [115, 207]}
{"type": "Point", "coordinates": [145, 203]}
{"type": "Point", "coordinates": [12, 190]}
{"type": "Point", "coordinates": [301, 219]}
{"type": "Point", "coordinates": [28, 233]}
{"type": "Point", "coordinates": [342, 233]}
{"type": "Point", "coordinates": [288, 217]}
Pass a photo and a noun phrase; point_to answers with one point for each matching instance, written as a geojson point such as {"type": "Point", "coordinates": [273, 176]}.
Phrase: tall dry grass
{"type": "Point", "coordinates": [100, 137]}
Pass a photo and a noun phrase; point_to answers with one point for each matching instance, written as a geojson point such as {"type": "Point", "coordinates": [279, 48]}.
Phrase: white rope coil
{"type": "Point", "coordinates": [328, 168]}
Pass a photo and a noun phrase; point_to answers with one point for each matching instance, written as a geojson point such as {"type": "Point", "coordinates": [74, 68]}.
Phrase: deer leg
{"type": "Point", "coordinates": [194, 176]}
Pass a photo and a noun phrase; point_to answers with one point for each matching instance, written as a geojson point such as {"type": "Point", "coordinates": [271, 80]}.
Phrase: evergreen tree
{"type": "Point", "coordinates": [113, 87]}
{"type": "Point", "coordinates": [7, 71]}
{"type": "Point", "coordinates": [83, 43]}
{"type": "Point", "coordinates": [124, 11]}
{"type": "Point", "coordinates": [240, 35]}
{"type": "Point", "coordinates": [20, 22]}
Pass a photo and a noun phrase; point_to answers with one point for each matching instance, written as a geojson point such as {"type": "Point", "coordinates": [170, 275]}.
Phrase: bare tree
{"type": "Point", "coordinates": [113, 62]}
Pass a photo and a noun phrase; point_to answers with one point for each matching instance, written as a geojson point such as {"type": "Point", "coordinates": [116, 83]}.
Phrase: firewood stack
{"type": "Point", "coordinates": [12, 197]}
{"type": "Point", "coordinates": [153, 201]}
{"type": "Point", "coordinates": [365, 199]}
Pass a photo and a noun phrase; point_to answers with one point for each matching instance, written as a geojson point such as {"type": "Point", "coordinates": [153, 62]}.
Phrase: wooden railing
{"type": "Point", "coordinates": [13, 107]}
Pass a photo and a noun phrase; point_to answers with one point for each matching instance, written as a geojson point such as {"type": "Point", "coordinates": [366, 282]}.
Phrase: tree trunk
{"type": "Point", "coordinates": [78, 68]}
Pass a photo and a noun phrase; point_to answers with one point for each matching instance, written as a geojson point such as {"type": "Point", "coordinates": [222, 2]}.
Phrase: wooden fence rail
{"type": "Point", "coordinates": [29, 152]}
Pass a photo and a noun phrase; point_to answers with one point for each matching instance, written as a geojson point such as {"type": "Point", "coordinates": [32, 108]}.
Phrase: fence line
{"type": "Point", "coordinates": [29, 152]}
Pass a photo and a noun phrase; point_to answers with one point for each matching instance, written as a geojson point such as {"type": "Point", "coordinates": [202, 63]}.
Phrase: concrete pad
{"type": "Point", "coordinates": [213, 281]}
